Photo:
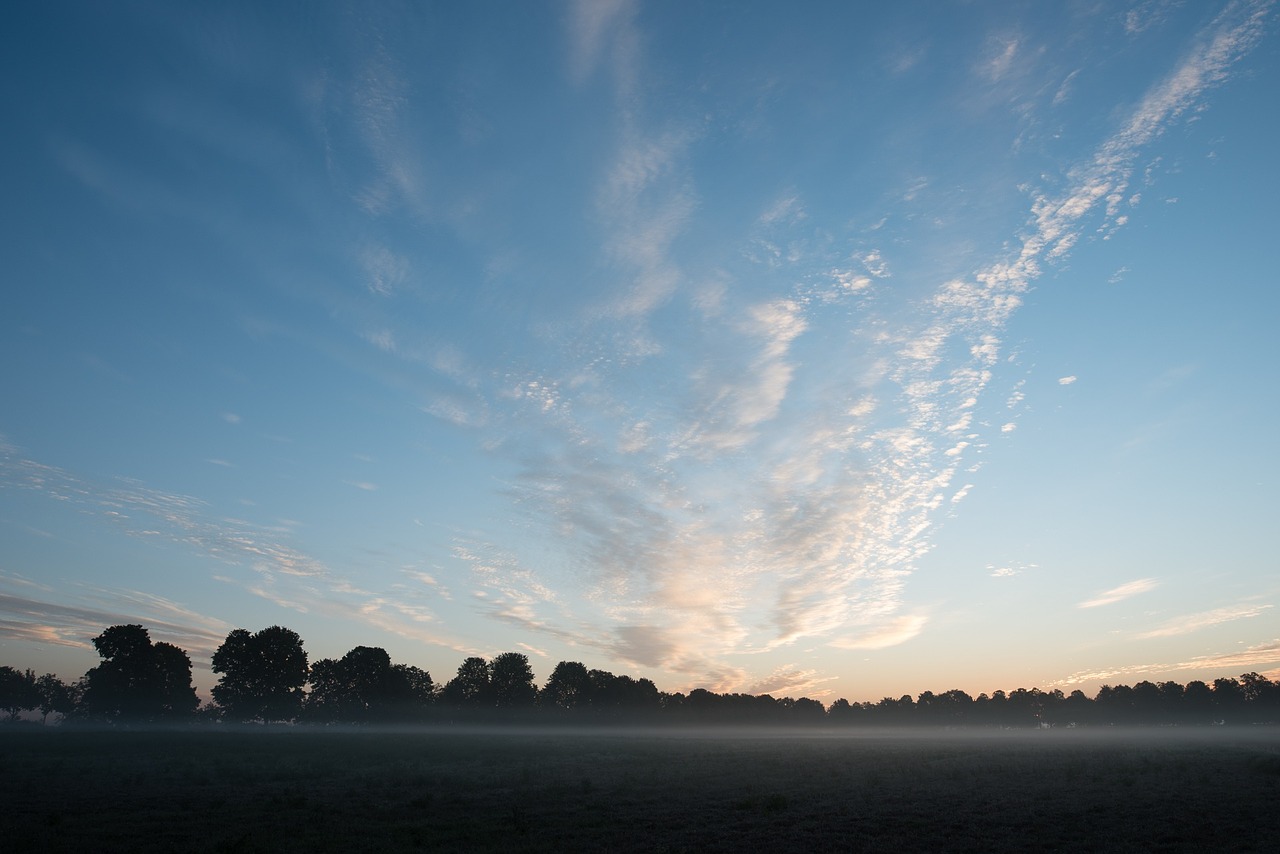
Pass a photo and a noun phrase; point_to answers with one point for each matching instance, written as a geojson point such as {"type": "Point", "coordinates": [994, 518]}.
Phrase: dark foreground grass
{"type": "Point", "coordinates": [506, 790]}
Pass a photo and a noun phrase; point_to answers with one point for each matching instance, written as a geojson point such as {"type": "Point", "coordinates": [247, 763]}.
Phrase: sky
{"type": "Point", "coordinates": [837, 350]}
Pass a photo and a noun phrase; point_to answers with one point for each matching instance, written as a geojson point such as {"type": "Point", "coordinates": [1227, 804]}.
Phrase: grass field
{"type": "Point", "coordinates": [507, 790]}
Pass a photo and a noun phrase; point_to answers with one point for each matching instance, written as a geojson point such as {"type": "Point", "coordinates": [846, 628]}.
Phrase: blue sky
{"type": "Point", "coordinates": [837, 351]}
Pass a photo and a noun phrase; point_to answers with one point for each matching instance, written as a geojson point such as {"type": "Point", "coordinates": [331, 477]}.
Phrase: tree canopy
{"type": "Point", "coordinates": [138, 680]}
{"type": "Point", "coordinates": [263, 675]}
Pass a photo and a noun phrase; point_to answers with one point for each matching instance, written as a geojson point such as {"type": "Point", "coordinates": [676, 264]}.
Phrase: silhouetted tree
{"type": "Point", "coordinates": [138, 680]}
{"type": "Point", "coordinates": [18, 692]}
{"type": "Point", "coordinates": [511, 681]}
{"type": "Point", "coordinates": [1148, 706]}
{"type": "Point", "coordinates": [1197, 703]}
{"type": "Point", "coordinates": [568, 687]}
{"type": "Point", "coordinates": [365, 687]}
{"type": "Point", "coordinates": [55, 696]}
{"type": "Point", "coordinates": [1114, 704]}
{"type": "Point", "coordinates": [1261, 696]}
{"type": "Point", "coordinates": [1077, 708]}
{"type": "Point", "coordinates": [262, 675]}
{"type": "Point", "coordinates": [416, 690]}
{"type": "Point", "coordinates": [842, 712]}
{"type": "Point", "coordinates": [472, 686]}
{"type": "Point", "coordinates": [1228, 700]}
{"type": "Point", "coordinates": [953, 707]}
{"type": "Point", "coordinates": [703, 706]}
{"type": "Point", "coordinates": [1172, 698]}
{"type": "Point", "coordinates": [807, 712]}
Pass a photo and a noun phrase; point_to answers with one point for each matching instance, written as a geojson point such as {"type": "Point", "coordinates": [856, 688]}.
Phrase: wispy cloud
{"type": "Point", "coordinates": [833, 503]}
{"type": "Point", "coordinates": [1119, 594]}
{"type": "Point", "coordinates": [82, 612]}
{"type": "Point", "coordinates": [893, 632]}
{"type": "Point", "coordinates": [1194, 622]}
{"type": "Point", "coordinates": [600, 31]}
{"type": "Point", "coordinates": [791, 680]}
{"type": "Point", "coordinates": [276, 570]}
{"type": "Point", "coordinates": [1252, 657]}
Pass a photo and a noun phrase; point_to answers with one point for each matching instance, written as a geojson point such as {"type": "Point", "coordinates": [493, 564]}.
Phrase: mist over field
{"type": "Point", "coordinates": [298, 789]}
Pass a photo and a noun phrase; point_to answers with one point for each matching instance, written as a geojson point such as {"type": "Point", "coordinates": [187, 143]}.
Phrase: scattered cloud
{"type": "Point", "coordinates": [1009, 570]}
{"type": "Point", "coordinates": [1069, 380]}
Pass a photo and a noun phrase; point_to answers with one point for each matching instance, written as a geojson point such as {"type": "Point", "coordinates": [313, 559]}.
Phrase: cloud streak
{"type": "Point", "coordinates": [1203, 620]}
{"type": "Point", "coordinates": [1119, 594]}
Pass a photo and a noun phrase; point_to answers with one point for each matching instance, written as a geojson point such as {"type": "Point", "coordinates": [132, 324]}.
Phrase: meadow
{"type": "Point", "coordinates": [507, 789]}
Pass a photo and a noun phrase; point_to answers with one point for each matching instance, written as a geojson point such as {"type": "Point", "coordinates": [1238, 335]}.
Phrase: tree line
{"type": "Point", "coordinates": [265, 677]}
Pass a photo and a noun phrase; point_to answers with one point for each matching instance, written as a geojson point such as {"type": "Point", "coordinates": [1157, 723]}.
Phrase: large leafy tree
{"type": "Point", "coordinates": [139, 680]}
{"type": "Point", "coordinates": [511, 681]}
{"type": "Point", "coordinates": [262, 675]}
{"type": "Point", "coordinates": [568, 687]}
{"type": "Point", "coordinates": [472, 686]}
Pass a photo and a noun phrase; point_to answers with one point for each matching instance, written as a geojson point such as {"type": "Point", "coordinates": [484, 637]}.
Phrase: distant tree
{"type": "Point", "coordinates": [138, 680]}
{"type": "Point", "coordinates": [262, 675]}
{"type": "Point", "coordinates": [568, 687]}
{"type": "Point", "coordinates": [1024, 707]}
{"type": "Point", "coordinates": [953, 707]}
{"type": "Point", "coordinates": [511, 681]}
{"type": "Point", "coordinates": [365, 687]}
{"type": "Point", "coordinates": [927, 709]}
{"type": "Point", "coordinates": [1261, 696]}
{"type": "Point", "coordinates": [807, 711]}
{"type": "Point", "coordinates": [1114, 704]}
{"type": "Point", "coordinates": [703, 706]}
{"type": "Point", "coordinates": [671, 704]}
{"type": "Point", "coordinates": [1197, 703]}
{"type": "Point", "coordinates": [841, 712]}
{"type": "Point", "coordinates": [1228, 700]}
{"type": "Point", "coordinates": [636, 696]}
{"type": "Point", "coordinates": [1077, 708]}
{"type": "Point", "coordinates": [55, 696]}
{"type": "Point", "coordinates": [18, 692]}
{"type": "Point", "coordinates": [413, 692]}
{"type": "Point", "coordinates": [331, 698]}
{"type": "Point", "coordinates": [605, 692]}
{"type": "Point", "coordinates": [1172, 702]}
{"type": "Point", "coordinates": [1147, 703]}
{"type": "Point", "coordinates": [472, 686]}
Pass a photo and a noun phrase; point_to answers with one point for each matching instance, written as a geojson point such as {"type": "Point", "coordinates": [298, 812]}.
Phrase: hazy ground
{"type": "Point", "coordinates": [308, 790]}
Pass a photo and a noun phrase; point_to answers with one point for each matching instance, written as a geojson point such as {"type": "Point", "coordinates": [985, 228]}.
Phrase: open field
{"type": "Point", "coordinates": [546, 790]}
